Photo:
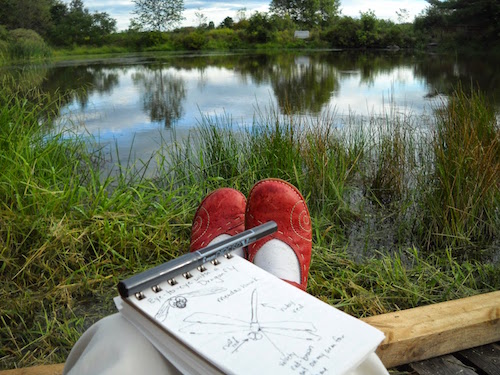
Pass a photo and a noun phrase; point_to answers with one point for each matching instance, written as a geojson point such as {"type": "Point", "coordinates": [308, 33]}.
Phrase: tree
{"type": "Point", "coordinates": [27, 14]}
{"type": "Point", "coordinates": [403, 15]}
{"type": "Point", "coordinates": [306, 12]}
{"type": "Point", "coordinates": [75, 24]}
{"type": "Point", "coordinates": [478, 19]}
{"type": "Point", "coordinates": [201, 19]}
{"type": "Point", "coordinates": [368, 34]}
{"type": "Point", "coordinates": [227, 23]}
{"type": "Point", "coordinates": [241, 14]}
{"type": "Point", "coordinates": [260, 28]}
{"type": "Point", "coordinates": [103, 24]}
{"type": "Point", "coordinates": [158, 15]}
{"type": "Point", "coordinates": [344, 32]}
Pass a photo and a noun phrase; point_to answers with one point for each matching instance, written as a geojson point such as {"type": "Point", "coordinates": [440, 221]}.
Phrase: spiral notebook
{"type": "Point", "coordinates": [229, 316]}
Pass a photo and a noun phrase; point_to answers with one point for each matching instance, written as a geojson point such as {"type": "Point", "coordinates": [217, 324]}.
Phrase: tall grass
{"type": "Point", "coordinates": [431, 185]}
{"type": "Point", "coordinates": [463, 204]}
{"type": "Point", "coordinates": [66, 237]}
{"type": "Point", "coordinates": [380, 192]}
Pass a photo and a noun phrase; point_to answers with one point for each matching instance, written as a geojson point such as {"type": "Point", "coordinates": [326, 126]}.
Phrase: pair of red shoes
{"type": "Point", "coordinates": [226, 211]}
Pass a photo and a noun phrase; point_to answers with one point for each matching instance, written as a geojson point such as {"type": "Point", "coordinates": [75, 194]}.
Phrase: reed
{"type": "Point", "coordinates": [462, 204]}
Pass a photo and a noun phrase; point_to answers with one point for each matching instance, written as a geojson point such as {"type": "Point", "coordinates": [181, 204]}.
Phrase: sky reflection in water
{"type": "Point", "coordinates": [137, 105]}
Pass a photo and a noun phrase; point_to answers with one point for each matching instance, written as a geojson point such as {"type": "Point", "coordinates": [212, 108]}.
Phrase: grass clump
{"type": "Point", "coordinates": [463, 203]}
{"type": "Point", "coordinates": [384, 181]}
{"type": "Point", "coordinates": [383, 284]}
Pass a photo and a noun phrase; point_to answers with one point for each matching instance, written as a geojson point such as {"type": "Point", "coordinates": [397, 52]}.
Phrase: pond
{"type": "Point", "coordinates": [133, 104]}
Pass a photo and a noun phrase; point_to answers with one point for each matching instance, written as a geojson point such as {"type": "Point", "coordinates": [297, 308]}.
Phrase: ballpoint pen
{"type": "Point", "coordinates": [187, 262]}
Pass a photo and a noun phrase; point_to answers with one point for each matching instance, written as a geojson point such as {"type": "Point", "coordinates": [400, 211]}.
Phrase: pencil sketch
{"type": "Point", "coordinates": [249, 330]}
{"type": "Point", "coordinates": [180, 301]}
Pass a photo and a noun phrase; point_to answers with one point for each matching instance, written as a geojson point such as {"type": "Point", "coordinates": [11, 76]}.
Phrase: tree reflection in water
{"type": "Point", "coordinates": [54, 88]}
{"type": "Point", "coordinates": [78, 83]}
{"type": "Point", "coordinates": [304, 86]}
{"type": "Point", "coordinates": [162, 93]}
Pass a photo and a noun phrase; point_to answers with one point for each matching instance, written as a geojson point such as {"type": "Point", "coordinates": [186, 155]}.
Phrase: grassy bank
{"type": "Point", "coordinates": [402, 215]}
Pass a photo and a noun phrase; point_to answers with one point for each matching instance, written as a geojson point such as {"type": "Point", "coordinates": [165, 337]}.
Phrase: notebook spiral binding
{"type": "Point", "coordinates": [150, 278]}
{"type": "Point", "coordinates": [186, 275]}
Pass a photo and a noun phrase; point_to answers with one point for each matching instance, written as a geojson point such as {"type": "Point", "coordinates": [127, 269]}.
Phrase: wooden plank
{"type": "Point", "coordinates": [36, 370]}
{"type": "Point", "coordinates": [443, 328]}
{"type": "Point", "coordinates": [445, 365]}
{"type": "Point", "coordinates": [486, 358]}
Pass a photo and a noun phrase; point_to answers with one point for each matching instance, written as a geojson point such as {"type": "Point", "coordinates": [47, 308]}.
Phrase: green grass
{"type": "Point", "coordinates": [89, 51]}
{"type": "Point", "coordinates": [463, 203]}
{"type": "Point", "coordinates": [377, 192]}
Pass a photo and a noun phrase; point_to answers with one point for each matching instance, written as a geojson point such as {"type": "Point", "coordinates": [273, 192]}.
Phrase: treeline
{"type": "Point", "coordinates": [272, 31]}
{"type": "Point", "coordinates": [462, 23]}
{"type": "Point", "coordinates": [29, 28]}
{"type": "Point", "coordinates": [61, 26]}
{"type": "Point", "coordinates": [32, 28]}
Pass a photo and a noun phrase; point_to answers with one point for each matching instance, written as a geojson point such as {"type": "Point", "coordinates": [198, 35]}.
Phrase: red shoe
{"type": "Point", "coordinates": [275, 199]}
{"type": "Point", "coordinates": [221, 212]}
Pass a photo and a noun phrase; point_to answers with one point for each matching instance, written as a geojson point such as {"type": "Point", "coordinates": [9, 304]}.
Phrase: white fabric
{"type": "Point", "coordinates": [114, 346]}
{"type": "Point", "coordinates": [277, 258]}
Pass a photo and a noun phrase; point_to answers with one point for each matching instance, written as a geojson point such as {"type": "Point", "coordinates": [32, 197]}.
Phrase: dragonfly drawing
{"type": "Point", "coordinates": [249, 330]}
{"type": "Point", "coordinates": [180, 301]}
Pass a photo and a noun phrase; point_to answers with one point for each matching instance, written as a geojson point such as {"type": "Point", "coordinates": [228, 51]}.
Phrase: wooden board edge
{"type": "Point", "coordinates": [404, 345]}
{"type": "Point", "coordinates": [56, 369]}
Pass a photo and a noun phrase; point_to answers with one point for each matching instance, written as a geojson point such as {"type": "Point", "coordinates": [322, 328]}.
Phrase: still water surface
{"type": "Point", "coordinates": [136, 103]}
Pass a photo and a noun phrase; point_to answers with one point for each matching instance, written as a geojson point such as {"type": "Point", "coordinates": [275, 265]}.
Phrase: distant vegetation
{"type": "Point", "coordinates": [72, 28]}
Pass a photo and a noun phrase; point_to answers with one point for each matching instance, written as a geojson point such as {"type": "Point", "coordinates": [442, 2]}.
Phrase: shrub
{"type": "Point", "coordinates": [286, 38]}
{"type": "Point", "coordinates": [194, 41]}
{"type": "Point", "coordinates": [222, 39]}
{"type": "Point", "coordinates": [24, 44]}
{"type": "Point", "coordinates": [139, 40]}
{"type": "Point", "coordinates": [343, 33]}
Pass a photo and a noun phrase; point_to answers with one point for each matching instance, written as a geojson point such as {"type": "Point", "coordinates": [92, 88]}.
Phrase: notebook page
{"type": "Point", "coordinates": [179, 355]}
{"type": "Point", "coordinates": [244, 321]}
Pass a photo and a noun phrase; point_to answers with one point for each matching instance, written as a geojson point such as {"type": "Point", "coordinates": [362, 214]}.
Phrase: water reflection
{"type": "Point", "coordinates": [162, 93]}
{"type": "Point", "coordinates": [78, 83]}
{"type": "Point", "coordinates": [137, 100]}
{"type": "Point", "coordinates": [304, 85]}
{"type": "Point", "coordinates": [442, 75]}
